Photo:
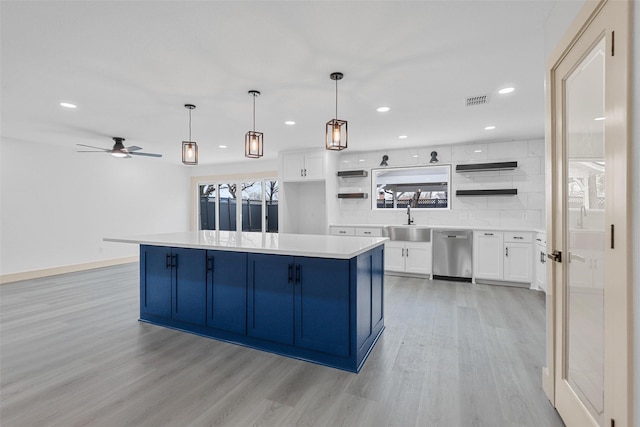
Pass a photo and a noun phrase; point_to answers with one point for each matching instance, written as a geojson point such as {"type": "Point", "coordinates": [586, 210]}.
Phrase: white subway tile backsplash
{"type": "Point", "coordinates": [526, 166]}
{"type": "Point", "coordinates": [525, 210]}
{"type": "Point", "coordinates": [536, 148]}
{"type": "Point", "coordinates": [518, 201]}
{"type": "Point", "coordinates": [529, 183]}
{"type": "Point", "coordinates": [512, 150]}
{"type": "Point", "coordinates": [468, 202]}
{"type": "Point", "coordinates": [521, 219]}
{"type": "Point", "coordinates": [468, 153]}
{"type": "Point", "coordinates": [536, 200]}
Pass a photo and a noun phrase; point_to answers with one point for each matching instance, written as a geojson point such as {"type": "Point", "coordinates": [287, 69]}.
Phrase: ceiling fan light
{"type": "Point", "coordinates": [189, 153]}
{"type": "Point", "coordinates": [119, 154]}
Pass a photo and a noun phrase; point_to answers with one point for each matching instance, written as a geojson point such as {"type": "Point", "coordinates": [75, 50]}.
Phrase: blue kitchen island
{"type": "Point", "coordinates": [311, 297]}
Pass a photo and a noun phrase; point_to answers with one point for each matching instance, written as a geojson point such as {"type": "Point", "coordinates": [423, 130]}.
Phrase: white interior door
{"type": "Point", "coordinates": [592, 350]}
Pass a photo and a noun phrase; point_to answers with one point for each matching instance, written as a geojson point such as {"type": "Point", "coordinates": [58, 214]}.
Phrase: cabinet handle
{"type": "Point", "coordinates": [367, 232]}
{"type": "Point", "coordinates": [305, 172]}
{"type": "Point", "coordinates": [407, 251]}
{"type": "Point", "coordinates": [342, 232]}
{"type": "Point", "coordinates": [488, 234]}
{"type": "Point", "coordinates": [506, 251]}
{"type": "Point", "coordinates": [290, 275]}
{"type": "Point", "coordinates": [402, 251]}
{"type": "Point", "coordinates": [518, 237]}
{"type": "Point", "coordinates": [168, 261]}
{"type": "Point", "coordinates": [298, 273]}
{"type": "Point", "coordinates": [301, 172]}
{"type": "Point", "coordinates": [210, 264]}
{"type": "Point", "coordinates": [174, 261]}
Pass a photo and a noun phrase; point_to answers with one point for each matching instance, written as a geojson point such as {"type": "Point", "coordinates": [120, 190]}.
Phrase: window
{"type": "Point", "coordinates": [425, 187]}
{"type": "Point", "coordinates": [218, 206]}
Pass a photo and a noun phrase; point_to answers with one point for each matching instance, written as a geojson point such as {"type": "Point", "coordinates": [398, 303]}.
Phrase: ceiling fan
{"type": "Point", "coordinates": [119, 150]}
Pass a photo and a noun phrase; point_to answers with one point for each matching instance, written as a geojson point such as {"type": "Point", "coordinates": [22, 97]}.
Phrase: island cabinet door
{"type": "Point", "coordinates": [270, 297]}
{"type": "Point", "coordinates": [322, 305]}
{"type": "Point", "coordinates": [155, 281]}
{"type": "Point", "coordinates": [227, 291]}
{"type": "Point", "coordinates": [189, 288]}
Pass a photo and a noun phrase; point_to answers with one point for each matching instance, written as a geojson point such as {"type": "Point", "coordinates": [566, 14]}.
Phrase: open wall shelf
{"type": "Point", "coordinates": [498, 192]}
{"type": "Point", "coordinates": [353, 174]}
{"type": "Point", "coordinates": [480, 167]}
{"type": "Point", "coordinates": [353, 195]}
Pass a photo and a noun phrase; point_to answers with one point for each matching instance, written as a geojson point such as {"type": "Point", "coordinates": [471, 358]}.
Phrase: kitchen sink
{"type": "Point", "coordinates": [407, 233]}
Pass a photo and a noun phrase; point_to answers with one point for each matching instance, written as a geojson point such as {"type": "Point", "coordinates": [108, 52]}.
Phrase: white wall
{"type": "Point", "coordinates": [523, 211]}
{"type": "Point", "coordinates": [58, 204]}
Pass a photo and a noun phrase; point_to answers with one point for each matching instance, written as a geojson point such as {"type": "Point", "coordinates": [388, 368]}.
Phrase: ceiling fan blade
{"type": "Point", "coordinates": [89, 151]}
{"type": "Point", "coordinates": [133, 148]}
{"type": "Point", "coordinates": [146, 154]}
{"type": "Point", "coordinates": [97, 148]}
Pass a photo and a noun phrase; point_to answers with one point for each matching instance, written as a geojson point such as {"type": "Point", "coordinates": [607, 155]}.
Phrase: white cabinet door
{"type": "Point", "coordinates": [517, 262]}
{"type": "Point", "coordinates": [487, 255]}
{"type": "Point", "coordinates": [343, 231]}
{"type": "Point", "coordinates": [418, 258]}
{"type": "Point", "coordinates": [540, 260]}
{"type": "Point", "coordinates": [293, 167]}
{"type": "Point", "coordinates": [394, 256]}
{"type": "Point", "coordinates": [314, 166]}
{"type": "Point", "coordinates": [303, 167]}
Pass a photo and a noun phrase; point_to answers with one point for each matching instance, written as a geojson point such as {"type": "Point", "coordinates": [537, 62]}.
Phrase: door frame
{"type": "Point", "coordinates": [618, 358]}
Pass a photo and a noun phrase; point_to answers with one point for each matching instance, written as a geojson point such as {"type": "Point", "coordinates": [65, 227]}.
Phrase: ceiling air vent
{"type": "Point", "coordinates": [476, 100]}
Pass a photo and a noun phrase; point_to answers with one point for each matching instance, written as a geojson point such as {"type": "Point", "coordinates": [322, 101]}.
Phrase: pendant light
{"type": "Point", "coordinates": [189, 148]}
{"type": "Point", "coordinates": [253, 140]}
{"type": "Point", "coordinates": [336, 134]}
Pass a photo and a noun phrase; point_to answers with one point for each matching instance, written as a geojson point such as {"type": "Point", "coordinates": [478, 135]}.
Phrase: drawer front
{"type": "Point", "coordinates": [343, 231]}
{"type": "Point", "coordinates": [516, 237]}
{"type": "Point", "coordinates": [369, 232]}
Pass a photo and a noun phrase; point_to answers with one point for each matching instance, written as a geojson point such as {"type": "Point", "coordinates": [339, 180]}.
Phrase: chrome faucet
{"type": "Point", "coordinates": [409, 219]}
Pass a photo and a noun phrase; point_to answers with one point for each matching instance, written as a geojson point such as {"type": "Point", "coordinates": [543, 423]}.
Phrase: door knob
{"type": "Point", "coordinates": [555, 256]}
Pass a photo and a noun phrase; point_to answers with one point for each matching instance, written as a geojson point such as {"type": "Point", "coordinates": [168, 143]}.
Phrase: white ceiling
{"type": "Point", "coordinates": [131, 66]}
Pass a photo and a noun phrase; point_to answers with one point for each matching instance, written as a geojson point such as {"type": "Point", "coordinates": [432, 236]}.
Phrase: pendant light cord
{"type": "Point", "coordinates": [189, 124]}
{"type": "Point", "coordinates": [254, 112]}
{"type": "Point", "coordinates": [336, 99]}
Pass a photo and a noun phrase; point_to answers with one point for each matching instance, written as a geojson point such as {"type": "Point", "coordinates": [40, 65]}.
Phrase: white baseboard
{"type": "Point", "coordinates": [36, 274]}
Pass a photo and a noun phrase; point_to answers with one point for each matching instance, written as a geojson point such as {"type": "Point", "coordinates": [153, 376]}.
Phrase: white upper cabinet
{"type": "Point", "coordinates": [307, 166]}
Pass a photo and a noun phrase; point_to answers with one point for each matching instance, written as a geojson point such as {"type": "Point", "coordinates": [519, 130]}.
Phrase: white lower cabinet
{"type": "Point", "coordinates": [503, 256]}
{"type": "Point", "coordinates": [407, 257]}
{"type": "Point", "coordinates": [540, 261]}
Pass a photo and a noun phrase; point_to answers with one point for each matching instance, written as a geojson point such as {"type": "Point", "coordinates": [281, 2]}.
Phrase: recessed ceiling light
{"type": "Point", "coordinates": [290, 123]}
{"type": "Point", "coordinates": [361, 160]}
{"type": "Point", "coordinates": [222, 146]}
{"type": "Point", "coordinates": [382, 109]}
{"type": "Point", "coordinates": [415, 156]}
{"type": "Point", "coordinates": [600, 118]}
{"type": "Point", "coordinates": [489, 128]}
{"type": "Point", "coordinates": [477, 151]}
{"type": "Point", "coordinates": [506, 90]}
{"type": "Point", "coordinates": [403, 137]}
{"type": "Point", "coordinates": [68, 105]}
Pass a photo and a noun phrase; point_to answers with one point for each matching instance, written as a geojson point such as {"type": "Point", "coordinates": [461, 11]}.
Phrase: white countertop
{"type": "Point", "coordinates": [308, 245]}
{"type": "Point", "coordinates": [443, 227]}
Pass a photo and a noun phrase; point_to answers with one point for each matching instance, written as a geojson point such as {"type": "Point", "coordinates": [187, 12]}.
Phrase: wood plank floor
{"type": "Point", "coordinates": [72, 353]}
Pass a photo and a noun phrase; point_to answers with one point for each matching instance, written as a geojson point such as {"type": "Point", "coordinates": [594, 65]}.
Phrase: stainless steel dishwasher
{"type": "Point", "coordinates": [452, 255]}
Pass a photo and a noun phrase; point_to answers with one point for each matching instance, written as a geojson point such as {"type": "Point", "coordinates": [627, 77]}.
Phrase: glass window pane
{"type": "Point", "coordinates": [228, 207]}
{"type": "Point", "coordinates": [271, 202]}
{"type": "Point", "coordinates": [252, 206]}
{"type": "Point", "coordinates": [425, 187]}
{"type": "Point", "coordinates": [208, 206]}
